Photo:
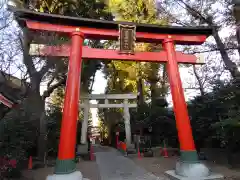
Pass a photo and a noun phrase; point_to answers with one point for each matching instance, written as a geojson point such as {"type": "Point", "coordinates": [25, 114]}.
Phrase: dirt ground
{"type": "Point", "coordinates": [158, 165]}
{"type": "Point", "coordinates": [89, 170]}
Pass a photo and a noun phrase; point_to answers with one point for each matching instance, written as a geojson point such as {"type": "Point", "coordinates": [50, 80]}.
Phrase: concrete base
{"type": "Point", "coordinates": [172, 174]}
{"type": "Point", "coordinates": [191, 169]}
{"type": "Point", "coordinates": [82, 149]}
{"type": "Point", "coordinates": [77, 175]}
{"type": "Point", "coordinates": [131, 149]}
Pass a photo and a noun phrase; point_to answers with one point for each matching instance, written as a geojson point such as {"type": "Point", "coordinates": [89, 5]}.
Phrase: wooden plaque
{"type": "Point", "coordinates": [127, 38]}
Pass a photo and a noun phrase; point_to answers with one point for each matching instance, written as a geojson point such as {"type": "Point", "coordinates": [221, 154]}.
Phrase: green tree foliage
{"type": "Point", "coordinates": [216, 114]}
{"type": "Point", "coordinates": [139, 12]}
{"type": "Point", "coordinates": [141, 78]}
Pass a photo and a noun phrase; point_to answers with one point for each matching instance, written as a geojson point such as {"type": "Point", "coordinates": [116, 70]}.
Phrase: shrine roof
{"type": "Point", "coordinates": [24, 15]}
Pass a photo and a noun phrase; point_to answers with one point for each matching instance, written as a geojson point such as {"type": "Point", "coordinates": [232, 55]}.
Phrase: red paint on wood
{"type": "Point", "coordinates": [106, 34]}
{"type": "Point", "coordinates": [70, 110]}
{"type": "Point", "coordinates": [117, 137]}
{"type": "Point", "coordinates": [91, 53]}
{"type": "Point", "coordinates": [30, 163]}
{"type": "Point", "coordinates": [179, 105]}
{"type": "Point", "coordinates": [6, 101]}
{"type": "Point", "coordinates": [4, 162]}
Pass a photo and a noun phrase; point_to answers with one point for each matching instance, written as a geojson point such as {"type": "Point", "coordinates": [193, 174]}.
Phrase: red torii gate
{"type": "Point", "coordinates": [80, 29]}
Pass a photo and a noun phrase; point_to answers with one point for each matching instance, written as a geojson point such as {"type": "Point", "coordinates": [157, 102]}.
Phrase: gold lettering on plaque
{"type": "Point", "coordinates": [127, 38]}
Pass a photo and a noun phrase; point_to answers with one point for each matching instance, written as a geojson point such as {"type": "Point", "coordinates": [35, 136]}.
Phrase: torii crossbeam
{"type": "Point", "coordinates": [106, 54]}
{"type": "Point", "coordinates": [79, 29]}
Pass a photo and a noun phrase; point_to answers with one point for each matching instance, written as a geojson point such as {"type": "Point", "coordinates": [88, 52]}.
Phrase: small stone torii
{"type": "Point", "coordinates": [86, 105]}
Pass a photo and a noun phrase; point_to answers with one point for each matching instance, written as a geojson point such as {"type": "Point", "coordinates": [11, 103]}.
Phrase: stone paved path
{"type": "Point", "coordinates": [113, 165]}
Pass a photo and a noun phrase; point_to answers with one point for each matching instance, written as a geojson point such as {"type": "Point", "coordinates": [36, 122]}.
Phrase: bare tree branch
{"type": "Point", "coordinates": [50, 81]}
{"type": "Point", "coordinates": [212, 50]}
{"type": "Point", "coordinates": [49, 64]}
{"type": "Point", "coordinates": [194, 12]}
{"type": "Point", "coordinates": [200, 83]}
{"type": "Point", "coordinates": [27, 59]}
{"type": "Point", "coordinates": [173, 18]}
{"type": "Point", "coordinates": [49, 91]}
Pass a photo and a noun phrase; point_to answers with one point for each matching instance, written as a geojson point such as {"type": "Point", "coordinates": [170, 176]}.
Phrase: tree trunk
{"type": "Point", "coordinates": [230, 147]}
{"type": "Point", "coordinates": [201, 88]}
{"type": "Point", "coordinates": [153, 87]}
{"type": "Point", "coordinates": [34, 100]}
{"type": "Point", "coordinates": [140, 92]}
{"type": "Point", "coordinates": [109, 133]}
{"type": "Point", "coordinates": [163, 82]}
{"type": "Point", "coordinates": [42, 138]}
{"type": "Point", "coordinates": [153, 79]}
{"type": "Point", "coordinates": [238, 37]}
{"type": "Point", "coordinates": [231, 66]}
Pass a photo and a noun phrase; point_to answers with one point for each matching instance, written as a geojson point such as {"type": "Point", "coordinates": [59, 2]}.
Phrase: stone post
{"type": "Point", "coordinates": [85, 122]}
{"type": "Point", "coordinates": [127, 123]}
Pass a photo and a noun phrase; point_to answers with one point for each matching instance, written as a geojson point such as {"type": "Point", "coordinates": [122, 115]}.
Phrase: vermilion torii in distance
{"type": "Point", "coordinates": [79, 29]}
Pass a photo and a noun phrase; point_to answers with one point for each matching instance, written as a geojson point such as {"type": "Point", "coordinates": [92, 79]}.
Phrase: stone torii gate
{"type": "Point", "coordinates": [106, 97]}
{"type": "Point", "coordinates": [79, 29]}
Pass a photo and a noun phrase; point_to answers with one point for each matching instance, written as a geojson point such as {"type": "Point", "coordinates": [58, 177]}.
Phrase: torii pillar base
{"type": "Point", "coordinates": [77, 175]}
{"type": "Point", "coordinates": [192, 170]}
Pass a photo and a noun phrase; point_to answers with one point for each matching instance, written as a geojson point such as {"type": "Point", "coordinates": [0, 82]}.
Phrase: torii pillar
{"type": "Point", "coordinates": [65, 165]}
{"type": "Point", "coordinates": [188, 152]}
{"type": "Point", "coordinates": [188, 167]}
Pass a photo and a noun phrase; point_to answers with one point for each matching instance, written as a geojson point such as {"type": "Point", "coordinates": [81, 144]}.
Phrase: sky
{"type": "Point", "coordinates": [99, 86]}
